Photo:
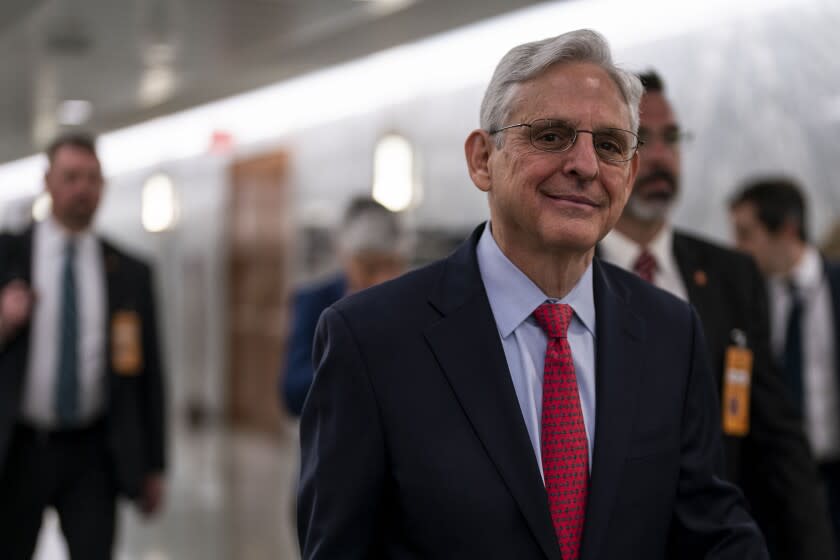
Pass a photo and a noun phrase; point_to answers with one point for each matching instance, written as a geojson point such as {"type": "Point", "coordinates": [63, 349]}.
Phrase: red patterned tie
{"type": "Point", "coordinates": [645, 266]}
{"type": "Point", "coordinates": [565, 453]}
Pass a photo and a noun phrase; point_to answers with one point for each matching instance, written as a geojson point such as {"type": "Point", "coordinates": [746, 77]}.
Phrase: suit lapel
{"type": "Point", "coordinates": [702, 286]}
{"type": "Point", "coordinates": [699, 284]}
{"type": "Point", "coordinates": [832, 275]}
{"type": "Point", "coordinates": [20, 268]}
{"type": "Point", "coordinates": [620, 359]}
{"type": "Point", "coordinates": [111, 264]}
{"type": "Point", "coordinates": [467, 345]}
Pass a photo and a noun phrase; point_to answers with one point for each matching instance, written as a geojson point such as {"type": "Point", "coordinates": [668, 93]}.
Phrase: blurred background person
{"type": "Point", "coordinates": [766, 452]}
{"type": "Point", "coordinates": [770, 223]}
{"type": "Point", "coordinates": [81, 386]}
{"type": "Point", "coordinates": [830, 247]}
{"type": "Point", "coordinates": [372, 248]}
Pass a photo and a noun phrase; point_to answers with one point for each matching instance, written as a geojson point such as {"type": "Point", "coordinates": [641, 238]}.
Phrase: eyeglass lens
{"type": "Point", "coordinates": [611, 144]}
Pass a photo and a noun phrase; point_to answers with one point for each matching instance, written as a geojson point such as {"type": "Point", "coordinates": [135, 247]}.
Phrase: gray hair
{"type": "Point", "coordinates": [369, 226]}
{"type": "Point", "coordinates": [527, 61]}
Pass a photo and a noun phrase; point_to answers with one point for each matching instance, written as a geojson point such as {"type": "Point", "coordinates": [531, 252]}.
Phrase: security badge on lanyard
{"type": "Point", "coordinates": [126, 343]}
{"type": "Point", "coordinates": [737, 379]}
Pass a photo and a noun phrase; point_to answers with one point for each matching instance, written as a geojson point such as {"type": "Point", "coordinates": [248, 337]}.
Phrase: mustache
{"type": "Point", "coordinates": [656, 175]}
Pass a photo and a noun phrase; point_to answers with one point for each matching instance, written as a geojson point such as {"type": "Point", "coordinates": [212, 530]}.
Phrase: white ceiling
{"type": "Point", "coordinates": [137, 59]}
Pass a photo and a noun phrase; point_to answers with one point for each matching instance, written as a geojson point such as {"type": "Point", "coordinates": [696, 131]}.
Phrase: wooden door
{"type": "Point", "coordinates": [258, 247]}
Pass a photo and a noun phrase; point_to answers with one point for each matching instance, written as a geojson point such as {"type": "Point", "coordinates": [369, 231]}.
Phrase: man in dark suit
{"type": "Point", "coordinates": [520, 399]}
{"type": "Point", "coordinates": [768, 215]}
{"type": "Point", "coordinates": [766, 451]}
{"type": "Point", "coordinates": [80, 378]}
{"type": "Point", "coordinates": [372, 248]}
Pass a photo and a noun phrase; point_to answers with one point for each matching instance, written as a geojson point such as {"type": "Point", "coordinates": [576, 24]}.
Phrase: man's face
{"type": "Point", "coordinates": [548, 201]}
{"type": "Point", "coordinates": [754, 239]}
{"type": "Point", "coordinates": [74, 181]}
{"type": "Point", "coordinates": [657, 183]}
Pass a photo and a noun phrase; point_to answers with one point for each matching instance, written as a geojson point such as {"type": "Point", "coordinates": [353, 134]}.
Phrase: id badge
{"type": "Point", "coordinates": [126, 344]}
{"type": "Point", "coordinates": [737, 379]}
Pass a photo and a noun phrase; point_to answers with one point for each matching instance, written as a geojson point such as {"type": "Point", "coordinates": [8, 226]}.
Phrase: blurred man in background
{"type": "Point", "coordinates": [372, 248]}
{"type": "Point", "coordinates": [81, 386]}
{"type": "Point", "coordinates": [769, 220]}
{"type": "Point", "coordinates": [765, 450]}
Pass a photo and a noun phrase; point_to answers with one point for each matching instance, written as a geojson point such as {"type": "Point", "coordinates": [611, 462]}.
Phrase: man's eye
{"type": "Point", "coordinates": [552, 136]}
{"type": "Point", "coordinates": [610, 146]}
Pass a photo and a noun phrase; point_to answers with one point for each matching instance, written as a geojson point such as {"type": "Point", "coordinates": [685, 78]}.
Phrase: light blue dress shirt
{"type": "Point", "coordinates": [513, 298]}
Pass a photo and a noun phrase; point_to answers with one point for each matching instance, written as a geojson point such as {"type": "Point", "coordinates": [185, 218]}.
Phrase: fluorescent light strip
{"type": "Point", "coordinates": [445, 62]}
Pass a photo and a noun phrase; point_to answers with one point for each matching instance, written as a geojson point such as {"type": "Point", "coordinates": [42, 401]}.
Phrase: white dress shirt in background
{"type": "Point", "coordinates": [620, 250]}
{"type": "Point", "coordinates": [819, 370]}
{"type": "Point", "coordinates": [39, 398]}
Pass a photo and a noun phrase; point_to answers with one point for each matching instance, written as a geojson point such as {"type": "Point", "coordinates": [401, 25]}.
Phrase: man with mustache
{"type": "Point", "coordinates": [765, 450]}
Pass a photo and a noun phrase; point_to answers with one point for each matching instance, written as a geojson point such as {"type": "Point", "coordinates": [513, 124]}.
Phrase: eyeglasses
{"type": "Point", "coordinates": [614, 145]}
{"type": "Point", "coordinates": [671, 136]}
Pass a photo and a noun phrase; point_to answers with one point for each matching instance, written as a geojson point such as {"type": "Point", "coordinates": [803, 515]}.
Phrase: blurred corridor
{"type": "Point", "coordinates": [230, 497]}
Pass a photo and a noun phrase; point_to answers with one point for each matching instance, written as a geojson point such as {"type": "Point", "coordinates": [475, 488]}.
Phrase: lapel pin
{"type": "Point", "coordinates": [700, 278]}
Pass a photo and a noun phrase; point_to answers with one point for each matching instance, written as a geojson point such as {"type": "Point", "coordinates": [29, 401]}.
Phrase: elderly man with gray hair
{"type": "Point", "coordinates": [520, 398]}
{"type": "Point", "coordinates": [372, 247]}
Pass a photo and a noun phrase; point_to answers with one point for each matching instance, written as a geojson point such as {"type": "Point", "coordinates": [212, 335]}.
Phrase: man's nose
{"type": "Point", "coordinates": [582, 159]}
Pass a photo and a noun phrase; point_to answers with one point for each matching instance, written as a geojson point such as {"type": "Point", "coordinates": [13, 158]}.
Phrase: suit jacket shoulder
{"type": "Point", "coordinates": [128, 261]}
{"type": "Point", "coordinates": [702, 251]}
{"type": "Point", "coordinates": [395, 301]}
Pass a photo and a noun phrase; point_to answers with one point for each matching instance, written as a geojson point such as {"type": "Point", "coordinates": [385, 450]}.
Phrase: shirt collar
{"type": "Point", "coordinates": [514, 297]}
{"type": "Point", "coordinates": [622, 251]}
{"type": "Point", "coordinates": [807, 274]}
{"type": "Point", "coordinates": [55, 237]}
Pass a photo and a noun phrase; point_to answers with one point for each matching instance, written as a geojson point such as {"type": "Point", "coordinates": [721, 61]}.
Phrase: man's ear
{"type": "Point", "coordinates": [477, 149]}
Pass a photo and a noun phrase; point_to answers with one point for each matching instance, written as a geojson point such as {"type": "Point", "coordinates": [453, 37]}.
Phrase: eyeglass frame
{"type": "Point", "coordinates": [635, 150]}
{"type": "Point", "coordinates": [680, 136]}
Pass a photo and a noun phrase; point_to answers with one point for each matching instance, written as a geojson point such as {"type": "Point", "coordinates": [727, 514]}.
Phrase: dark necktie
{"type": "Point", "coordinates": [67, 386]}
{"type": "Point", "coordinates": [645, 265]}
{"type": "Point", "coordinates": [793, 346]}
{"type": "Point", "coordinates": [564, 448]}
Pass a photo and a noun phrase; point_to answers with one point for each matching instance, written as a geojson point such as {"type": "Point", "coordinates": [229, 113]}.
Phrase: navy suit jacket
{"type": "Point", "coordinates": [307, 305]}
{"type": "Point", "coordinates": [134, 415]}
{"type": "Point", "coordinates": [414, 446]}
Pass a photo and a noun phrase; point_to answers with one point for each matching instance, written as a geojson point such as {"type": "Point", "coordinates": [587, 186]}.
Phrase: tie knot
{"type": "Point", "coordinates": [645, 265]}
{"type": "Point", "coordinates": [554, 318]}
